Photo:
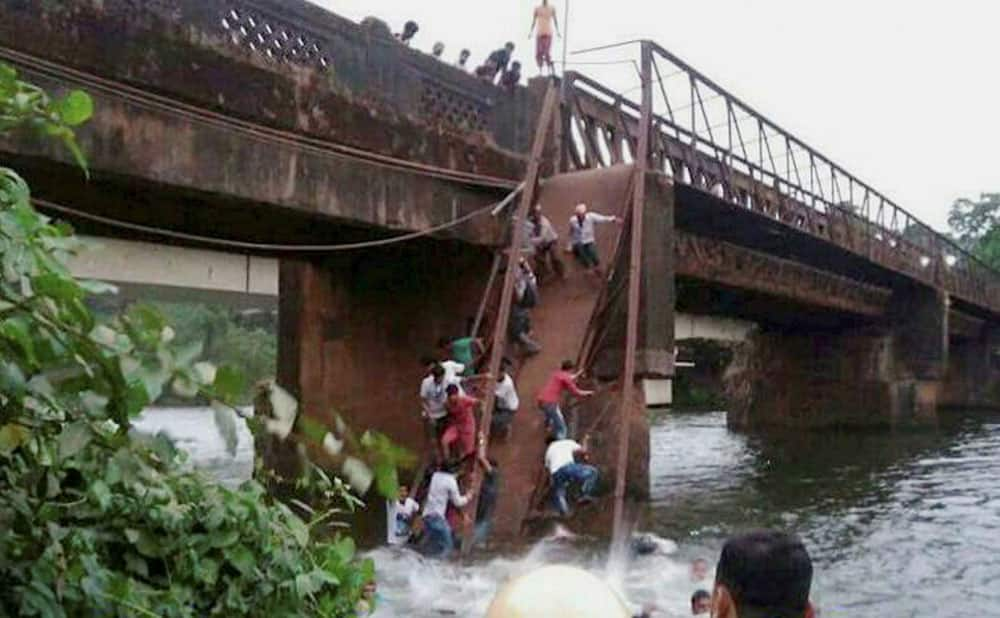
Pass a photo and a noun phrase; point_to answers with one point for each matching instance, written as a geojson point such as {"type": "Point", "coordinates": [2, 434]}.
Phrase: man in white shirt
{"type": "Point", "coordinates": [439, 539]}
{"type": "Point", "coordinates": [560, 460]}
{"type": "Point", "coordinates": [433, 395]}
{"type": "Point", "coordinates": [507, 401]}
{"type": "Point", "coordinates": [399, 517]}
{"type": "Point", "coordinates": [582, 236]}
{"type": "Point", "coordinates": [545, 25]}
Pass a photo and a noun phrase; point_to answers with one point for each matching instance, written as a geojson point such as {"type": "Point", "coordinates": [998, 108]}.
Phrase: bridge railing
{"type": "Point", "coordinates": [708, 138]}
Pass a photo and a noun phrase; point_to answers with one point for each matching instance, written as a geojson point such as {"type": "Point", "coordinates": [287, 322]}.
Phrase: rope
{"type": "Point", "coordinates": [278, 248]}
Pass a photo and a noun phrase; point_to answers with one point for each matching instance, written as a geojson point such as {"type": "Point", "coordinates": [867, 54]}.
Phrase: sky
{"type": "Point", "coordinates": [902, 93]}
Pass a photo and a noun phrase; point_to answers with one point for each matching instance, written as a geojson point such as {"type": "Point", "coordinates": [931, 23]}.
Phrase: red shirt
{"type": "Point", "coordinates": [461, 413]}
{"type": "Point", "coordinates": [559, 382]}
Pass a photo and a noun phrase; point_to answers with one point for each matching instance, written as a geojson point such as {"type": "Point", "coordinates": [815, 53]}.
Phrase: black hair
{"type": "Point", "coordinates": [767, 573]}
{"type": "Point", "coordinates": [427, 359]}
{"type": "Point", "coordinates": [444, 342]}
{"type": "Point", "coordinates": [509, 44]}
{"type": "Point", "coordinates": [437, 371]}
{"type": "Point", "coordinates": [452, 389]}
{"type": "Point", "coordinates": [567, 365]}
{"type": "Point", "coordinates": [699, 595]}
{"type": "Point", "coordinates": [450, 466]}
{"type": "Point", "coordinates": [516, 64]}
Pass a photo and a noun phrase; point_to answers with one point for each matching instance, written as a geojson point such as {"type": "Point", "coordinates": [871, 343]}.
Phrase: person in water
{"type": "Point", "coordinates": [699, 570]}
{"type": "Point", "coordinates": [399, 517]}
{"type": "Point", "coordinates": [701, 603]}
{"type": "Point", "coordinates": [764, 574]}
{"type": "Point", "coordinates": [439, 540]}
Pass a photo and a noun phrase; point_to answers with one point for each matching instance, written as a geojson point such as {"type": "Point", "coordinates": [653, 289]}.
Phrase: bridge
{"type": "Point", "coordinates": [384, 182]}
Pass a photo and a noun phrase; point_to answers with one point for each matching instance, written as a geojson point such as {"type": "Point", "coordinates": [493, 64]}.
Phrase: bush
{"type": "Point", "coordinates": [95, 521]}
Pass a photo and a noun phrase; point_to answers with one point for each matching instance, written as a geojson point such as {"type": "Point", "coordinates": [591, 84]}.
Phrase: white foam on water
{"type": "Point", "coordinates": [410, 585]}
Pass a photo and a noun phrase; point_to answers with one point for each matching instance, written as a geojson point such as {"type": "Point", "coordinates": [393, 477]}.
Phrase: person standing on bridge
{"type": "Point", "coordinates": [583, 240]}
{"type": "Point", "coordinates": [561, 381]}
{"type": "Point", "coordinates": [544, 25]}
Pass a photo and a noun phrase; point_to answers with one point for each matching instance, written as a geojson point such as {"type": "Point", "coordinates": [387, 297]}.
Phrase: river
{"type": "Point", "coordinates": [899, 524]}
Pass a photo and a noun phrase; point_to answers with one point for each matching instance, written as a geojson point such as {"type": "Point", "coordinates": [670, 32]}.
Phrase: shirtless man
{"type": "Point", "coordinates": [544, 25]}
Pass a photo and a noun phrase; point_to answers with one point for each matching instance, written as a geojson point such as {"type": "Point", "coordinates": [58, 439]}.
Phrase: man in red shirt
{"type": "Point", "coordinates": [461, 429]}
{"type": "Point", "coordinates": [550, 395]}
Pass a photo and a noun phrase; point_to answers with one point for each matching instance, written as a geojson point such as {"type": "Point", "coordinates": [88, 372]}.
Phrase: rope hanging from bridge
{"type": "Point", "coordinates": [493, 209]}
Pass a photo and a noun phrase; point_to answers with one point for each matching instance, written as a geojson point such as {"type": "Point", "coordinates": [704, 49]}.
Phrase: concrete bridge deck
{"type": "Point", "coordinates": [278, 123]}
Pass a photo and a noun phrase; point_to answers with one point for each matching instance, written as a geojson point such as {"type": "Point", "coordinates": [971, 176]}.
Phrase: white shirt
{"type": "Point", "coordinates": [560, 453]}
{"type": "Point", "coordinates": [582, 234]}
{"type": "Point", "coordinates": [443, 490]}
{"type": "Point", "coordinates": [452, 370]}
{"type": "Point", "coordinates": [434, 395]}
{"type": "Point", "coordinates": [399, 516]}
{"type": "Point", "coordinates": [507, 394]}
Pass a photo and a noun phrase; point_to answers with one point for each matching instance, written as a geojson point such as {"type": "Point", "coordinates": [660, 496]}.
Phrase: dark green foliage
{"type": "Point", "coordinates": [95, 521]}
{"type": "Point", "coordinates": [974, 225]}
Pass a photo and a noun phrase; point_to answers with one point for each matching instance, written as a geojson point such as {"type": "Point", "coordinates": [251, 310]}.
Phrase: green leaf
{"type": "Point", "coordinates": [101, 494]}
{"type": "Point", "coordinates": [57, 286]}
{"type": "Point", "coordinates": [12, 437]}
{"type": "Point", "coordinates": [74, 439]}
{"type": "Point", "coordinates": [75, 109]}
{"type": "Point", "coordinates": [229, 383]}
{"type": "Point", "coordinates": [241, 558]}
{"type": "Point", "coordinates": [225, 424]}
{"type": "Point", "coordinates": [136, 398]}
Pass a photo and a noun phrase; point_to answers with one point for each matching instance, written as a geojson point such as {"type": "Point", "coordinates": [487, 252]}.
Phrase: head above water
{"type": "Point", "coordinates": [509, 46]}
{"type": "Point", "coordinates": [438, 49]}
{"type": "Point", "coordinates": [764, 574]}
{"type": "Point", "coordinates": [463, 56]}
{"type": "Point", "coordinates": [701, 602]}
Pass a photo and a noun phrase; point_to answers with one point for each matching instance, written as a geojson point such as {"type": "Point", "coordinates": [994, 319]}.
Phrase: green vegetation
{"type": "Point", "coordinates": [224, 339]}
{"type": "Point", "coordinates": [97, 522]}
{"type": "Point", "coordinates": [975, 225]}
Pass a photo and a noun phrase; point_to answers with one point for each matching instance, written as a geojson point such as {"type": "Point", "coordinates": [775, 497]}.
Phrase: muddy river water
{"type": "Point", "coordinates": [899, 524]}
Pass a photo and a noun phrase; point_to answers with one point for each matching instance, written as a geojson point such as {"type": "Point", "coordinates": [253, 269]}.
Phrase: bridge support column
{"type": "Point", "coordinates": [354, 327]}
{"type": "Point", "coordinates": [919, 323]}
{"type": "Point", "coordinates": [880, 375]}
{"type": "Point", "coordinates": [973, 378]}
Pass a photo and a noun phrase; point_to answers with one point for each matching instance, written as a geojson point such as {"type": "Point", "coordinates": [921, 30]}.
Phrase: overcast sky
{"type": "Point", "coordinates": [903, 93]}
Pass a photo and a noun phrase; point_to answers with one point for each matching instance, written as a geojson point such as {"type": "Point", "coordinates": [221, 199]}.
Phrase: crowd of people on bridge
{"type": "Point", "coordinates": [500, 67]}
{"type": "Point", "coordinates": [451, 396]}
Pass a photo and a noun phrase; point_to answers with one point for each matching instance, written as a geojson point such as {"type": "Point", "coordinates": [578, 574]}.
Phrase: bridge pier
{"type": "Point", "coordinates": [354, 327]}
{"type": "Point", "coordinates": [884, 374]}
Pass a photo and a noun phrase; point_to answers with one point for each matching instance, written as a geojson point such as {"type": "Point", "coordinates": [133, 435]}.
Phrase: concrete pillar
{"type": "Point", "coordinates": [887, 374]}
{"type": "Point", "coordinates": [973, 378]}
{"type": "Point", "coordinates": [655, 348]}
{"type": "Point", "coordinates": [919, 331]}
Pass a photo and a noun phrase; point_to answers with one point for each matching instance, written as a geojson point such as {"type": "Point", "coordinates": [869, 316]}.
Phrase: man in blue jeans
{"type": "Point", "coordinates": [561, 462]}
{"type": "Point", "coordinates": [439, 539]}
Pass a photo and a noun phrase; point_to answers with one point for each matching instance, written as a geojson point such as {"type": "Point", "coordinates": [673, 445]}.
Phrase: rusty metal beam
{"type": "Point", "coordinates": [634, 287]}
{"type": "Point", "coordinates": [733, 266]}
{"type": "Point", "coordinates": [544, 126]}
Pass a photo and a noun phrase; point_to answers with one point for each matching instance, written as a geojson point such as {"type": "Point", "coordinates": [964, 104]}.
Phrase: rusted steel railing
{"type": "Point", "coordinates": [706, 137]}
{"type": "Point", "coordinates": [499, 340]}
